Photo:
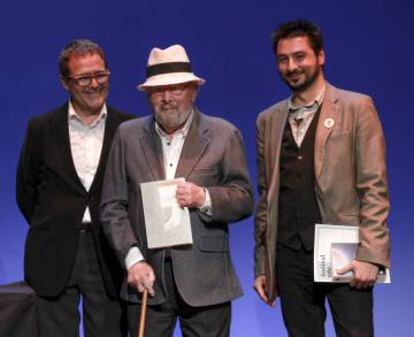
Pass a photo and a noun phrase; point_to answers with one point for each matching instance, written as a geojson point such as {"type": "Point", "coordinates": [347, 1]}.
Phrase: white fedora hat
{"type": "Point", "coordinates": [169, 66]}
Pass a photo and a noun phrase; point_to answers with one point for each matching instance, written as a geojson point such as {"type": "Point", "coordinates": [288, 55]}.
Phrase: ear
{"type": "Point", "coordinates": [194, 94]}
{"type": "Point", "coordinates": [64, 83]}
{"type": "Point", "coordinates": [321, 57]}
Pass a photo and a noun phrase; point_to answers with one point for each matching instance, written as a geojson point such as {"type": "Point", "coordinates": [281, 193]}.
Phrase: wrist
{"type": "Point", "coordinates": [202, 197]}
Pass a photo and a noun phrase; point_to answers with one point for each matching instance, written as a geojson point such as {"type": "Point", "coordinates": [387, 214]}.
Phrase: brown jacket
{"type": "Point", "coordinates": [350, 173]}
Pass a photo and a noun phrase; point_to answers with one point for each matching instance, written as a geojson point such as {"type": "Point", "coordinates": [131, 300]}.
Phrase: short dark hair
{"type": "Point", "coordinates": [78, 47]}
{"type": "Point", "coordinates": [298, 28]}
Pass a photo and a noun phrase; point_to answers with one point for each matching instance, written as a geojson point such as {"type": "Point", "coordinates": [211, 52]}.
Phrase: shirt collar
{"type": "Point", "coordinates": [73, 115]}
{"type": "Point", "coordinates": [314, 105]}
{"type": "Point", "coordinates": [183, 131]}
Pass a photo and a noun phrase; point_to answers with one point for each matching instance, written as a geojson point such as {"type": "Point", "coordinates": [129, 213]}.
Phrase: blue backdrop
{"type": "Point", "coordinates": [369, 47]}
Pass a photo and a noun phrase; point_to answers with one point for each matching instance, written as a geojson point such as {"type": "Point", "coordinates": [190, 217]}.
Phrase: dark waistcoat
{"type": "Point", "coordinates": [298, 208]}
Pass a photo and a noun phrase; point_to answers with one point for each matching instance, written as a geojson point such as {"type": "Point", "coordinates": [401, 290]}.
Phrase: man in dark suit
{"type": "Point", "coordinates": [192, 282]}
{"type": "Point", "coordinates": [59, 183]}
{"type": "Point", "coordinates": [321, 158]}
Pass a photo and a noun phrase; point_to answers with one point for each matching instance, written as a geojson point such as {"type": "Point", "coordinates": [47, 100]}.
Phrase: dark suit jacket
{"type": "Point", "coordinates": [350, 176]}
{"type": "Point", "coordinates": [53, 201]}
{"type": "Point", "coordinates": [212, 157]}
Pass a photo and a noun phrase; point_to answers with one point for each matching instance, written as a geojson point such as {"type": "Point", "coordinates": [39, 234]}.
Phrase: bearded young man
{"type": "Point", "coordinates": [321, 159]}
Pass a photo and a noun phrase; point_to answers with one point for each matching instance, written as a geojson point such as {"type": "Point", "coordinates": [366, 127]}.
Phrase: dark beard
{"type": "Point", "coordinates": [305, 85]}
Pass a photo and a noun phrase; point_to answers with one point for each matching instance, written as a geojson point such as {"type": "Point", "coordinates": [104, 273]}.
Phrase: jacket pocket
{"type": "Point", "coordinates": [213, 244]}
{"type": "Point", "coordinates": [348, 219]}
{"type": "Point", "coordinates": [201, 171]}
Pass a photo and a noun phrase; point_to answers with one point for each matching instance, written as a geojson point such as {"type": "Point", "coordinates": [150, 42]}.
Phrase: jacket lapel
{"type": "Point", "coordinates": [277, 127]}
{"type": "Point", "coordinates": [194, 146]}
{"type": "Point", "coordinates": [152, 150]}
{"type": "Point", "coordinates": [327, 119]}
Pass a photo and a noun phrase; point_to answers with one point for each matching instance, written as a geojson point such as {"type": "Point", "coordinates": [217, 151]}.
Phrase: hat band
{"type": "Point", "coordinates": [170, 67]}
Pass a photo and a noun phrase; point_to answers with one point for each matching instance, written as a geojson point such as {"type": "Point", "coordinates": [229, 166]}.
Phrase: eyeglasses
{"type": "Point", "coordinates": [101, 77]}
{"type": "Point", "coordinates": [174, 90]}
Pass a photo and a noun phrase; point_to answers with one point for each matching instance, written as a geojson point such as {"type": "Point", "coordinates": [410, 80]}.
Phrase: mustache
{"type": "Point", "coordinates": [168, 106]}
{"type": "Point", "coordinates": [294, 72]}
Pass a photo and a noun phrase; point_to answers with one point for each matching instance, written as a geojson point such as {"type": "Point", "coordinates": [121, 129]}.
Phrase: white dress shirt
{"type": "Point", "coordinates": [86, 146]}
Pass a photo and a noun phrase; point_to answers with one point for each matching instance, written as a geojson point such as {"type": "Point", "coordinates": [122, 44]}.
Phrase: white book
{"type": "Point", "coordinates": [166, 223]}
{"type": "Point", "coordinates": [335, 246]}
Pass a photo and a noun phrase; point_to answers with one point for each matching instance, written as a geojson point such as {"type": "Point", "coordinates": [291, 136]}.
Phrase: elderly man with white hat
{"type": "Point", "coordinates": [195, 282]}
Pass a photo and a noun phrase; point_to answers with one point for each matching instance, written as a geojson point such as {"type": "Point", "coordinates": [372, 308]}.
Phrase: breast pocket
{"type": "Point", "coordinates": [340, 136]}
{"type": "Point", "coordinates": [339, 152]}
{"type": "Point", "coordinates": [204, 176]}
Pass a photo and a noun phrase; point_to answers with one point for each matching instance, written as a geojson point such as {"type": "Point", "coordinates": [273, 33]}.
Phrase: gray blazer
{"type": "Point", "coordinates": [350, 173]}
{"type": "Point", "coordinates": [213, 157]}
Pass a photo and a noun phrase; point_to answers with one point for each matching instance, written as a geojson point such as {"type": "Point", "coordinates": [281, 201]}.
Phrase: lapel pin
{"type": "Point", "coordinates": [328, 123]}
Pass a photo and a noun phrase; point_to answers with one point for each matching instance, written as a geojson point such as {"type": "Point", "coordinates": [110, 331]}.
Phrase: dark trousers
{"type": "Point", "coordinates": [208, 321]}
{"type": "Point", "coordinates": [303, 301]}
{"type": "Point", "coordinates": [59, 316]}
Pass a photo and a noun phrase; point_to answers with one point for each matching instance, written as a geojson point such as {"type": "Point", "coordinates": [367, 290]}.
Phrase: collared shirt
{"type": "Point", "coordinates": [172, 145]}
{"type": "Point", "coordinates": [300, 117]}
{"type": "Point", "coordinates": [86, 146]}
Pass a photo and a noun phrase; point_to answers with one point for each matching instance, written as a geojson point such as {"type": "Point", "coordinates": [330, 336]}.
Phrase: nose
{"type": "Point", "coordinates": [291, 64]}
{"type": "Point", "coordinates": [94, 82]}
{"type": "Point", "coordinates": [166, 95]}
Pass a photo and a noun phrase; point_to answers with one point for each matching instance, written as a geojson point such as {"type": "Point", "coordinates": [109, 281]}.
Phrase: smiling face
{"type": "Point", "coordinates": [86, 100]}
{"type": "Point", "coordinates": [172, 104]}
{"type": "Point", "coordinates": [298, 64]}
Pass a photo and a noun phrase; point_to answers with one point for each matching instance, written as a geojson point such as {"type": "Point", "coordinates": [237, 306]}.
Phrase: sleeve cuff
{"type": "Point", "coordinates": [207, 208]}
{"type": "Point", "coordinates": [134, 256]}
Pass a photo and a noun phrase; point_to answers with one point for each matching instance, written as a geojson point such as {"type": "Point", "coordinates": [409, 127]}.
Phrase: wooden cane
{"type": "Point", "coordinates": [143, 313]}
